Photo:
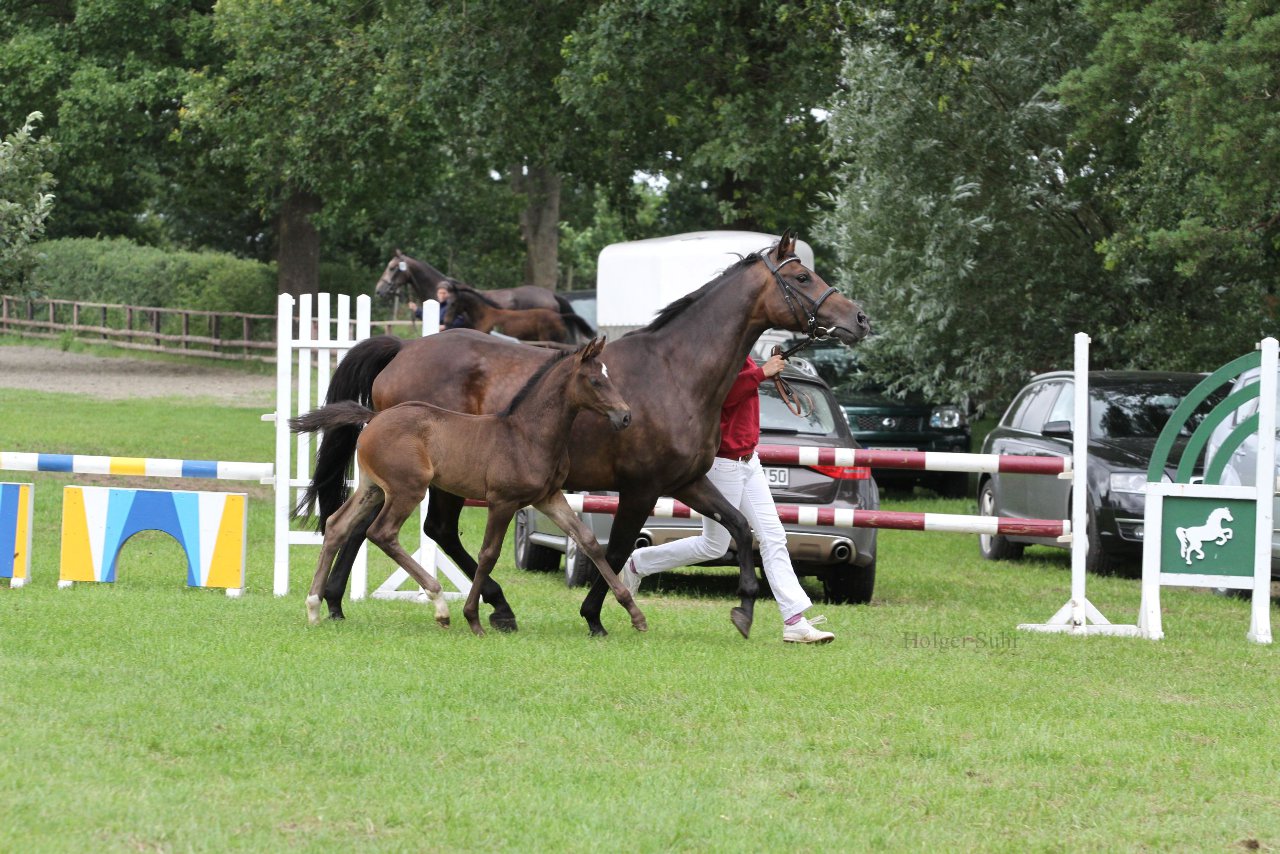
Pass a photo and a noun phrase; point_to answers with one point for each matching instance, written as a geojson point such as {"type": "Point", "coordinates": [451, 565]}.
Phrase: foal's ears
{"type": "Point", "coordinates": [592, 349]}
{"type": "Point", "coordinates": [787, 244]}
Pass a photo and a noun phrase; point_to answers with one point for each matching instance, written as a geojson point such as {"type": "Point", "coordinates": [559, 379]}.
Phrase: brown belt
{"type": "Point", "coordinates": [741, 459]}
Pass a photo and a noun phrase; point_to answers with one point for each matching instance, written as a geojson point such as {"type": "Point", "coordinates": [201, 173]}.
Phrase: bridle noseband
{"type": "Point", "coordinates": [809, 318]}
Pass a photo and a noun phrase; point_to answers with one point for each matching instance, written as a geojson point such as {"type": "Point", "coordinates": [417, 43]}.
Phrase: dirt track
{"type": "Point", "coordinates": [116, 378]}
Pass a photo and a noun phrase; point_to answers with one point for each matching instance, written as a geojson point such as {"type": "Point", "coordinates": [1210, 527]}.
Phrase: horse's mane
{"type": "Point", "coordinates": [461, 288]}
{"type": "Point", "coordinates": [528, 387]}
{"type": "Point", "coordinates": [677, 307]}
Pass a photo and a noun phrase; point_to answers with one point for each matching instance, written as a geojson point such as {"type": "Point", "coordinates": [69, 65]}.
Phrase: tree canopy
{"type": "Point", "coordinates": [25, 200]}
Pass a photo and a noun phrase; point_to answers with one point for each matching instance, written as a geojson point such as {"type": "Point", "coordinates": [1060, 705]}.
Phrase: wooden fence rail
{"type": "Point", "coordinates": [210, 334]}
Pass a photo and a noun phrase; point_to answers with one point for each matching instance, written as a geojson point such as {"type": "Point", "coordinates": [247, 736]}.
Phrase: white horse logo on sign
{"type": "Point", "coordinates": [1192, 540]}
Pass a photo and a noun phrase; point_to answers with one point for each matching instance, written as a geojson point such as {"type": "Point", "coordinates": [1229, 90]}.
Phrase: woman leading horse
{"type": "Point", "coordinates": [675, 374]}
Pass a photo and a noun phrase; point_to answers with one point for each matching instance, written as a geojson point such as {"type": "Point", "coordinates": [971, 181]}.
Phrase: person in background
{"type": "Point", "coordinates": [442, 297]}
{"type": "Point", "coordinates": [737, 473]}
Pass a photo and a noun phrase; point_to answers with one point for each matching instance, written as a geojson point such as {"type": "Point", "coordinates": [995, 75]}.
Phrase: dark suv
{"type": "Point", "coordinates": [843, 558]}
{"type": "Point", "coordinates": [889, 423]}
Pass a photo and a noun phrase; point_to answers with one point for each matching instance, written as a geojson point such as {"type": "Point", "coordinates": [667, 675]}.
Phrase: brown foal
{"type": "Point", "coordinates": [514, 458]}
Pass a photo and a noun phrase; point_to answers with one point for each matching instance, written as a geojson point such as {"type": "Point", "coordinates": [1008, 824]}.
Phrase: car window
{"type": "Point", "coordinates": [1064, 407]}
{"type": "Point", "coordinates": [818, 419]}
{"type": "Point", "coordinates": [1141, 411]}
{"type": "Point", "coordinates": [1031, 414]}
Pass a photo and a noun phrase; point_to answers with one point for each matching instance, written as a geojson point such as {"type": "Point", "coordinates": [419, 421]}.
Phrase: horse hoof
{"type": "Point", "coordinates": [504, 624]}
{"type": "Point", "coordinates": [741, 621]}
{"type": "Point", "coordinates": [336, 614]}
{"type": "Point", "coordinates": [640, 625]}
{"type": "Point", "coordinates": [443, 622]}
{"type": "Point", "coordinates": [599, 632]}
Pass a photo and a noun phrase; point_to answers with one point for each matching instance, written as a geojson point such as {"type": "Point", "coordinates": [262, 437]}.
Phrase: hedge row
{"type": "Point", "coordinates": [117, 270]}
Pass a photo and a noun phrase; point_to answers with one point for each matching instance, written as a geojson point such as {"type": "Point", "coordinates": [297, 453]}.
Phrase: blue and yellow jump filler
{"type": "Point", "coordinates": [15, 532]}
{"type": "Point", "coordinates": [211, 527]}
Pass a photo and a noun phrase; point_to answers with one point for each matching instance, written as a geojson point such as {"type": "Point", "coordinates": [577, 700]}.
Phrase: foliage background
{"type": "Point", "coordinates": [988, 177]}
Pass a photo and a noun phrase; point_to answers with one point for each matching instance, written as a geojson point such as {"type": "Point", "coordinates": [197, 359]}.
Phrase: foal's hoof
{"type": "Point", "coordinates": [741, 621]}
{"type": "Point", "coordinates": [313, 610]}
{"type": "Point", "coordinates": [506, 624]}
{"type": "Point", "coordinates": [443, 621]}
{"type": "Point", "coordinates": [640, 624]}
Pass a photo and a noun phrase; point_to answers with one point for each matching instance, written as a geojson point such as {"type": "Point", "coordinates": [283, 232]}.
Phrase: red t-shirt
{"type": "Point", "coordinates": [740, 415]}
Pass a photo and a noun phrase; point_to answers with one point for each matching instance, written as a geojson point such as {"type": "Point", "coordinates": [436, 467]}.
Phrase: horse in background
{"type": "Point", "coordinates": [532, 324]}
{"type": "Point", "coordinates": [519, 456]}
{"type": "Point", "coordinates": [404, 272]}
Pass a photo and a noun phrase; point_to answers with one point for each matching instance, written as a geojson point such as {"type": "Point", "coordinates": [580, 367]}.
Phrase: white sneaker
{"type": "Point", "coordinates": [804, 632]}
{"type": "Point", "coordinates": [629, 577]}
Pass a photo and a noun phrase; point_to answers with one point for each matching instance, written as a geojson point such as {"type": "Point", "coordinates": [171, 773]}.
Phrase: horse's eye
{"type": "Point", "coordinates": [802, 278]}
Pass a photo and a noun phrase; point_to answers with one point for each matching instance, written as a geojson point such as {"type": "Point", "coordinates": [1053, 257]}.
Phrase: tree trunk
{"type": "Point", "coordinates": [298, 256]}
{"type": "Point", "coordinates": [539, 223]}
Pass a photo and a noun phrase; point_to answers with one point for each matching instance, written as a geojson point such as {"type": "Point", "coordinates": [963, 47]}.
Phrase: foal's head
{"type": "Point", "coordinates": [591, 388]}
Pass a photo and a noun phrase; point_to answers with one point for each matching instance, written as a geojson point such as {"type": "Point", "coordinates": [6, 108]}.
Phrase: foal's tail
{"type": "Point", "coordinates": [345, 416]}
{"type": "Point", "coordinates": [352, 381]}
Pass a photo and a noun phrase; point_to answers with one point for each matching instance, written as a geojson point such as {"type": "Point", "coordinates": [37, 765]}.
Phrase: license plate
{"type": "Point", "coordinates": [778, 477]}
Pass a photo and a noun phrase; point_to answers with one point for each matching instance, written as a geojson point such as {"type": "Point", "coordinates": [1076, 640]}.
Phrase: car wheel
{"type": "Point", "coordinates": [994, 546]}
{"type": "Point", "coordinates": [578, 568]}
{"type": "Point", "coordinates": [849, 584]}
{"type": "Point", "coordinates": [530, 555]}
{"type": "Point", "coordinates": [1095, 559]}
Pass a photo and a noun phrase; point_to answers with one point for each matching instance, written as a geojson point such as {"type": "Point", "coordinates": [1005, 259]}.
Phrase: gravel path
{"type": "Point", "coordinates": [116, 378]}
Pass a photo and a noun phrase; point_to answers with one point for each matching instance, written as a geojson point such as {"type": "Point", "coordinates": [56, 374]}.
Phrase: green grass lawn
{"type": "Point", "coordinates": [144, 716]}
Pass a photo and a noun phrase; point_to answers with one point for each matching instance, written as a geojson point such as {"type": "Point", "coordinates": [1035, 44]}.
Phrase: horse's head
{"type": "Point", "coordinates": [592, 389]}
{"type": "Point", "coordinates": [800, 300]}
{"type": "Point", "coordinates": [395, 277]}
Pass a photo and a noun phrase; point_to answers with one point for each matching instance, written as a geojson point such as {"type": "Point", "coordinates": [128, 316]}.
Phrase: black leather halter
{"type": "Point", "coordinates": [808, 318]}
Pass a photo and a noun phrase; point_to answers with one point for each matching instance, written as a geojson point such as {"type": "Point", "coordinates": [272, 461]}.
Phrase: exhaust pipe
{"type": "Point", "coordinates": [842, 551]}
{"type": "Point", "coordinates": [644, 540]}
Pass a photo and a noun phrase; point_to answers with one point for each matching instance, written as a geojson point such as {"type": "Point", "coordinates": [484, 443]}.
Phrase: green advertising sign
{"type": "Point", "coordinates": [1208, 536]}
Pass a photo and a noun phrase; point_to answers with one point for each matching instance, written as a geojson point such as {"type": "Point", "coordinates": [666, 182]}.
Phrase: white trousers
{"type": "Point", "coordinates": [744, 485]}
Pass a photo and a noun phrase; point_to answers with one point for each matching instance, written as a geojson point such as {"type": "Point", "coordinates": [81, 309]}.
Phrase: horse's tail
{"type": "Point", "coordinates": [352, 381]}
{"type": "Point", "coordinates": [1182, 541]}
{"type": "Point", "coordinates": [576, 323]}
{"type": "Point", "coordinates": [337, 420]}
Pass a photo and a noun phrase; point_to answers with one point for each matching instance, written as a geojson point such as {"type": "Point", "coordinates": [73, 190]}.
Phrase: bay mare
{"type": "Point", "coordinates": [675, 374]}
{"type": "Point", "coordinates": [529, 324]}
{"type": "Point", "coordinates": [421, 279]}
{"type": "Point", "coordinates": [516, 457]}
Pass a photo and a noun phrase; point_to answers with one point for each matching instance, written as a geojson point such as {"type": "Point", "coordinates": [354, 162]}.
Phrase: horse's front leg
{"type": "Point", "coordinates": [1227, 534]}
{"type": "Point", "coordinates": [495, 531]}
{"type": "Point", "coordinates": [441, 525]}
{"type": "Point", "coordinates": [559, 511]}
{"type": "Point", "coordinates": [703, 496]}
{"type": "Point", "coordinates": [632, 511]}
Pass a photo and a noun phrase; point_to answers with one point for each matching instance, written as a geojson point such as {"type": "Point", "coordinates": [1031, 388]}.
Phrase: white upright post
{"type": "Point", "coordinates": [1078, 616]}
{"type": "Point", "coordinates": [428, 556]}
{"type": "Point", "coordinates": [284, 401]}
{"type": "Point", "coordinates": [1265, 479]}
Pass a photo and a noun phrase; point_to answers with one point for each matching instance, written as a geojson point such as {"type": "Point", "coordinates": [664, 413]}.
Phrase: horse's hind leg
{"type": "Point", "coordinates": [441, 525]}
{"type": "Point", "coordinates": [342, 536]}
{"type": "Point", "coordinates": [385, 534]}
{"type": "Point", "coordinates": [559, 511]}
{"type": "Point", "coordinates": [703, 496]}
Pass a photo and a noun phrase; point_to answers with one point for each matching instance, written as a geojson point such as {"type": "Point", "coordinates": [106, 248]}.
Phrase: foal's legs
{"type": "Point", "coordinates": [385, 534]}
{"type": "Point", "coordinates": [342, 533]}
{"type": "Point", "coordinates": [441, 525]}
{"type": "Point", "coordinates": [559, 511]}
{"type": "Point", "coordinates": [627, 521]}
{"type": "Point", "coordinates": [495, 530]}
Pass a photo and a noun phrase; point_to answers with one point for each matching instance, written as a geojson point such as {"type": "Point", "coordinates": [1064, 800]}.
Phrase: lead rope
{"type": "Point", "coordinates": [796, 402]}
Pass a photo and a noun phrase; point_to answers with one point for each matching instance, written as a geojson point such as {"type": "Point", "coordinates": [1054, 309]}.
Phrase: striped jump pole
{"type": "Point", "coordinates": [136, 466]}
{"type": "Point", "coordinates": [916, 460]}
{"type": "Point", "coordinates": [795, 514]}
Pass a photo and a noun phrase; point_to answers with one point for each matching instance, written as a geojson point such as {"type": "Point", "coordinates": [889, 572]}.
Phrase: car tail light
{"type": "Point", "coordinates": [844, 472]}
